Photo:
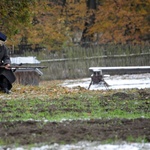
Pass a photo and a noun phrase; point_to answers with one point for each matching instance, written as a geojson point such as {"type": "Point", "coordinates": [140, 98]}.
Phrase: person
{"type": "Point", "coordinates": [7, 76]}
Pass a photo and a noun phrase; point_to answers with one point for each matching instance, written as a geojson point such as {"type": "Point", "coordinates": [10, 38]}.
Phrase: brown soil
{"type": "Point", "coordinates": [30, 132]}
{"type": "Point", "coordinates": [73, 131]}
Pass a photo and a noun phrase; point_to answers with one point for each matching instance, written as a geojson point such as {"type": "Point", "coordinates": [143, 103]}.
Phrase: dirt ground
{"type": "Point", "coordinates": [65, 132]}
{"type": "Point", "coordinates": [73, 131]}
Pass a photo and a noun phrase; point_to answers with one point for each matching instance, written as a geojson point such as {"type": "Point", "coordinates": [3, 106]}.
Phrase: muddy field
{"type": "Point", "coordinates": [73, 131]}
{"type": "Point", "coordinates": [69, 132]}
{"type": "Point", "coordinates": [64, 132]}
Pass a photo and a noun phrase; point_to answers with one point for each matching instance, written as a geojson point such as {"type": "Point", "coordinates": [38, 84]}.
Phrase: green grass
{"type": "Point", "coordinates": [76, 106]}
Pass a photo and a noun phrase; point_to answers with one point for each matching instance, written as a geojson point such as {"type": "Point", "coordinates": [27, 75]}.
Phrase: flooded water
{"type": "Point", "coordinates": [87, 146]}
{"type": "Point", "coordinates": [116, 82]}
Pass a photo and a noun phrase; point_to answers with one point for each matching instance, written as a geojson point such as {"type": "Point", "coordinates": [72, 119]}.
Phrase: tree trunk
{"type": "Point", "coordinates": [86, 38]}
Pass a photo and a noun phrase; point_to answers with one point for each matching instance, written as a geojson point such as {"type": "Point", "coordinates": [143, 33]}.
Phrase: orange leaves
{"type": "Point", "coordinates": [46, 89]}
{"type": "Point", "coordinates": [53, 23]}
{"type": "Point", "coordinates": [124, 20]}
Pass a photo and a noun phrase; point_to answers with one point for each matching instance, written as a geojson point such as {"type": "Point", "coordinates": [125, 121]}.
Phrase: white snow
{"type": "Point", "coordinates": [24, 60]}
{"type": "Point", "coordinates": [121, 67]}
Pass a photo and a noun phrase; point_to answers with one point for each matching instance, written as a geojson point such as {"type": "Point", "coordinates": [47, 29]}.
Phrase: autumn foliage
{"type": "Point", "coordinates": [60, 23]}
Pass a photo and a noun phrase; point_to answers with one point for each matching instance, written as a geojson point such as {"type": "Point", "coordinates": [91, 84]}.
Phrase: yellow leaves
{"type": "Point", "coordinates": [56, 24]}
{"type": "Point", "coordinates": [46, 89]}
{"type": "Point", "coordinates": [120, 17]}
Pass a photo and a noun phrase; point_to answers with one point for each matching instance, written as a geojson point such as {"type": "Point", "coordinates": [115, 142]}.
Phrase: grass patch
{"type": "Point", "coordinates": [57, 103]}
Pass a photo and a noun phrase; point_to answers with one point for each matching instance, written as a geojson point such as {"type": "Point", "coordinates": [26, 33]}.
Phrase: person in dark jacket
{"type": "Point", "coordinates": [7, 76]}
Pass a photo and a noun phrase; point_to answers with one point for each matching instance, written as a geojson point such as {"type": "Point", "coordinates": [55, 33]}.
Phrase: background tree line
{"type": "Point", "coordinates": [56, 24]}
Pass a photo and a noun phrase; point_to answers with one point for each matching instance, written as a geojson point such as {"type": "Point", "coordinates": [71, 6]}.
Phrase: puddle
{"type": "Point", "coordinates": [86, 146]}
{"type": "Point", "coordinates": [116, 82]}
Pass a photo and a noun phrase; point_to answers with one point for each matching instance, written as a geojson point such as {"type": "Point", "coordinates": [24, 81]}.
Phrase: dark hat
{"type": "Point", "coordinates": [3, 37]}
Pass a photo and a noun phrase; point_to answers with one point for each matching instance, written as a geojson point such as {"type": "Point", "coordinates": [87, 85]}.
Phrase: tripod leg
{"type": "Point", "coordinates": [105, 84]}
{"type": "Point", "coordinates": [90, 85]}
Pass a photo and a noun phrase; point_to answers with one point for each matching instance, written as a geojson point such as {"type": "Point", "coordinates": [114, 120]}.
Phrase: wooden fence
{"type": "Point", "coordinates": [79, 67]}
